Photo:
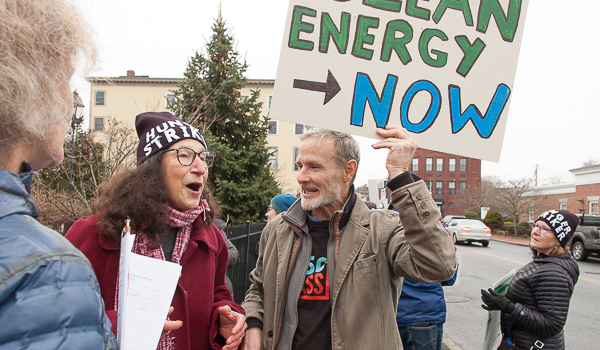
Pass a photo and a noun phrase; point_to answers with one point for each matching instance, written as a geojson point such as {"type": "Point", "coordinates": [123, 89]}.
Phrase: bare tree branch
{"type": "Point", "coordinates": [66, 192]}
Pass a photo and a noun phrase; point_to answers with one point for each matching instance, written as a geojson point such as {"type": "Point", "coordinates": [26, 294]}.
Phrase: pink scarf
{"type": "Point", "coordinates": [184, 221]}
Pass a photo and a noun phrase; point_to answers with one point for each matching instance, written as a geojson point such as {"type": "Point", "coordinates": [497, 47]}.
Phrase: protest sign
{"type": "Point", "coordinates": [443, 69]}
{"type": "Point", "coordinates": [493, 331]}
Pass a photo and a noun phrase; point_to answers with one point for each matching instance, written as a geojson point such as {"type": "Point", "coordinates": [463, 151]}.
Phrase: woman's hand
{"type": "Point", "coordinates": [170, 325]}
{"type": "Point", "coordinates": [232, 327]}
{"type": "Point", "coordinates": [493, 300]}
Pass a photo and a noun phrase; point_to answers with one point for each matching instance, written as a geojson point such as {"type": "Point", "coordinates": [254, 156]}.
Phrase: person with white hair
{"type": "Point", "coordinates": [49, 295]}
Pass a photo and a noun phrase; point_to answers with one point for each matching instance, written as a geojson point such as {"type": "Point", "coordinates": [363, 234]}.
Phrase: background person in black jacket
{"type": "Point", "coordinates": [536, 305]}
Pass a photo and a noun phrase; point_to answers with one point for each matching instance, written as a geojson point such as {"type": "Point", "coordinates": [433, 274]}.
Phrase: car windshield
{"type": "Point", "coordinates": [471, 223]}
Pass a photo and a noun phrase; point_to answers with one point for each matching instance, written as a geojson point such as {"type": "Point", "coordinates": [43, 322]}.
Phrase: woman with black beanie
{"type": "Point", "coordinates": [536, 305]}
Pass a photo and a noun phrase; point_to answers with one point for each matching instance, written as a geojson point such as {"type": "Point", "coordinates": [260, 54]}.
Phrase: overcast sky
{"type": "Point", "coordinates": [553, 119]}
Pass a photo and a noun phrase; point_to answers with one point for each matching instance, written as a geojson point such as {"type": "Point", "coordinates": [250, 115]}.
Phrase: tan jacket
{"type": "Point", "coordinates": [370, 257]}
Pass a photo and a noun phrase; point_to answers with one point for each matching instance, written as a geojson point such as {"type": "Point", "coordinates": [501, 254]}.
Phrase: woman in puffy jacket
{"type": "Point", "coordinates": [49, 295]}
{"type": "Point", "coordinates": [536, 305]}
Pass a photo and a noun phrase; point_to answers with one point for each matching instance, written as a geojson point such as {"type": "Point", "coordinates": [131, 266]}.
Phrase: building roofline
{"type": "Point", "coordinates": [147, 80]}
{"type": "Point", "coordinates": [586, 170]}
{"type": "Point", "coordinates": [133, 80]}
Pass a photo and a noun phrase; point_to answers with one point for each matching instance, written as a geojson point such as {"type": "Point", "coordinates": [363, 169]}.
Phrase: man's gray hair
{"type": "Point", "coordinates": [346, 147]}
{"type": "Point", "coordinates": [40, 43]}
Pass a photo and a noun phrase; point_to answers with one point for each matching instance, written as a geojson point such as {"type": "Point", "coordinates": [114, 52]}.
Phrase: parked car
{"type": "Point", "coordinates": [465, 230]}
{"type": "Point", "coordinates": [446, 220]}
{"type": "Point", "coordinates": [586, 239]}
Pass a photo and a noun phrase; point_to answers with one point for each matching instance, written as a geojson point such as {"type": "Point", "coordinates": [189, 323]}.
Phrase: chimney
{"type": "Point", "coordinates": [130, 73]}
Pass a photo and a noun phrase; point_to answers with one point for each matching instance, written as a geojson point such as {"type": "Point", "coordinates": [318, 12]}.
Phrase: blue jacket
{"type": "Point", "coordinates": [422, 302]}
{"type": "Point", "coordinates": [49, 295]}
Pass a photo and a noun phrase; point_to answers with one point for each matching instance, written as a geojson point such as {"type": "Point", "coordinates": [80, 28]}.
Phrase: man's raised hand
{"type": "Point", "coordinates": [401, 147]}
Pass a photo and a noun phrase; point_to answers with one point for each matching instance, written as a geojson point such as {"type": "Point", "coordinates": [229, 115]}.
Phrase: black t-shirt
{"type": "Point", "coordinates": [314, 307]}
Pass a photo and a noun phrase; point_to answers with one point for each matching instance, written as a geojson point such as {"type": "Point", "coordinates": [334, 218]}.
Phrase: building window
{"type": "Point", "coordinates": [169, 99]}
{"type": "Point", "coordinates": [99, 123]}
{"type": "Point", "coordinates": [415, 165]}
{"type": "Point", "coordinates": [562, 203]}
{"type": "Point", "coordinates": [99, 101]}
{"type": "Point", "coordinates": [594, 208]}
{"type": "Point", "coordinates": [269, 100]}
{"type": "Point", "coordinates": [439, 165]}
{"type": "Point", "coordinates": [272, 127]}
{"type": "Point", "coordinates": [531, 215]}
{"type": "Point", "coordinates": [452, 165]}
{"type": "Point", "coordinates": [295, 158]}
{"type": "Point", "coordinates": [244, 98]}
{"type": "Point", "coordinates": [429, 184]}
{"type": "Point", "coordinates": [300, 129]}
{"type": "Point", "coordinates": [272, 158]}
{"type": "Point", "coordinates": [563, 206]}
{"type": "Point", "coordinates": [439, 188]}
{"type": "Point", "coordinates": [428, 164]}
{"type": "Point", "coordinates": [462, 188]}
{"type": "Point", "coordinates": [451, 188]}
{"type": "Point", "coordinates": [463, 165]}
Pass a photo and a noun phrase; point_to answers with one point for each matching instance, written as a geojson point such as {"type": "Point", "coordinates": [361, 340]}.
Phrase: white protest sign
{"type": "Point", "coordinates": [443, 69]}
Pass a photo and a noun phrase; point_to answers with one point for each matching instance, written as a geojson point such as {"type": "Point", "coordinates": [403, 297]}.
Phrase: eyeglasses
{"type": "Point", "coordinates": [186, 156]}
{"type": "Point", "coordinates": [543, 229]}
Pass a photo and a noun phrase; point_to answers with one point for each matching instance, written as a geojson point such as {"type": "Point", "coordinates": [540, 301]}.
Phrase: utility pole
{"type": "Point", "coordinates": [77, 102]}
{"type": "Point", "coordinates": [536, 174]}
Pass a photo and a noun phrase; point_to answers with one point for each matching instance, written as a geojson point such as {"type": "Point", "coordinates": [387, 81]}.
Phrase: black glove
{"type": "Point", "coordinates": [493, 300]}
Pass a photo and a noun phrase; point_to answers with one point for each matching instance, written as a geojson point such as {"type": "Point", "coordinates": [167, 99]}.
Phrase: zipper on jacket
{"type": "Point", "coordinates": [288, 276]}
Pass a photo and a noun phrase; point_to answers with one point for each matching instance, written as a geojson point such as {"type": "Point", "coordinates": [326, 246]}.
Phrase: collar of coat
{"type": "Point", "coordinates": [207, 235]}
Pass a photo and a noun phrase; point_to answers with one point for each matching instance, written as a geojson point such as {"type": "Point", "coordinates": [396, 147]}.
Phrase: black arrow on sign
{"type": "Point", "coordinates": [330, 88]}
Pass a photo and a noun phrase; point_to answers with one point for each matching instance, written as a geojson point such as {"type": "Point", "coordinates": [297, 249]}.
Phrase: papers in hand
{"type": "Point", "coordinates": [146, 288]}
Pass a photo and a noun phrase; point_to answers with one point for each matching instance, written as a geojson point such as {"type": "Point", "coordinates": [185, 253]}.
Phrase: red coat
{"type": "Point", "coordinates": [200, 291]}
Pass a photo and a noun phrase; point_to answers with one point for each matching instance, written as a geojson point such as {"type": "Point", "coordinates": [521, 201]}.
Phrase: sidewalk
{"type": "Point", "coordinates": [448, 344]}
{"type": "Point", "coordinates": [511, 240]}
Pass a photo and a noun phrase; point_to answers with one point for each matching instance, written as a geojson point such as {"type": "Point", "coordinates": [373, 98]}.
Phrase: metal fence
{"type": "Point", "coordinates": [245, 238]}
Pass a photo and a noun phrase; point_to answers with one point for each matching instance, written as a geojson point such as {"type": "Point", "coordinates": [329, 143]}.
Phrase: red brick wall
{"type": "Point", "coordinates": [472, 177]}
{"type": "Point", "coordinates": [577, 202]}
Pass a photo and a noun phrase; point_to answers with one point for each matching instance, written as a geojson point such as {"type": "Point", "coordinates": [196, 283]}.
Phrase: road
{"type": "Point", "coordinates": [481, 267]}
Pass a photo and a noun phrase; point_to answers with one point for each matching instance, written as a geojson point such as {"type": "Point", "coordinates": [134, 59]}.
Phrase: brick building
{"type": "Point", "coordinates": [447, 176]}
{"type": "Point", "coordinates": [581, 196]}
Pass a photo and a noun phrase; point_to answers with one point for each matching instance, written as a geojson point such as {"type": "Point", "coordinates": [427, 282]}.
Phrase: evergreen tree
{"type": "Point", "coordinates": [209, 99]}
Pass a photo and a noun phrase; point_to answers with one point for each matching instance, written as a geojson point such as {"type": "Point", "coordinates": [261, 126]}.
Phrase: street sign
{"type": "Point", "coordinates": [443, 69]}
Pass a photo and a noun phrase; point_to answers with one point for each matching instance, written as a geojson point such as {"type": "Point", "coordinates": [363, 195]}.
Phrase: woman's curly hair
{"type": "Point", "coordinates": [140, 195]}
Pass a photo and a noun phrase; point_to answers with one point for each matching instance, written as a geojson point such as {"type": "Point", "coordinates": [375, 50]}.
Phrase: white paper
{"type": "Point", "coordinates": [144, 302]}
{"type": "Point", "coordinates": [126, 246]}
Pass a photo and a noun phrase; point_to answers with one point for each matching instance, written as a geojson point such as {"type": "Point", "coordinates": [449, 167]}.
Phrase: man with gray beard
{"type": "Point", "coordinates": [329, 270]}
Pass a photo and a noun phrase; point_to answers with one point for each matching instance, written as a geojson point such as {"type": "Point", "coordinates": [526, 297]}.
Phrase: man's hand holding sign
{"type": "Point", "coordinates": [402, 148]}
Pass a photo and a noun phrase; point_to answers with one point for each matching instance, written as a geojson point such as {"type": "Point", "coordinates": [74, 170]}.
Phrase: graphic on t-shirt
{"type": "Point", "coordinates": [316, 285]}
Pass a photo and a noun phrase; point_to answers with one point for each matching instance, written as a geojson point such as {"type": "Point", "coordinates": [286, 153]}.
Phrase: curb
{"type": "Point", "coordinates": [448, 344]}
{"type": "Point", "coordinates": [510, 242]}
